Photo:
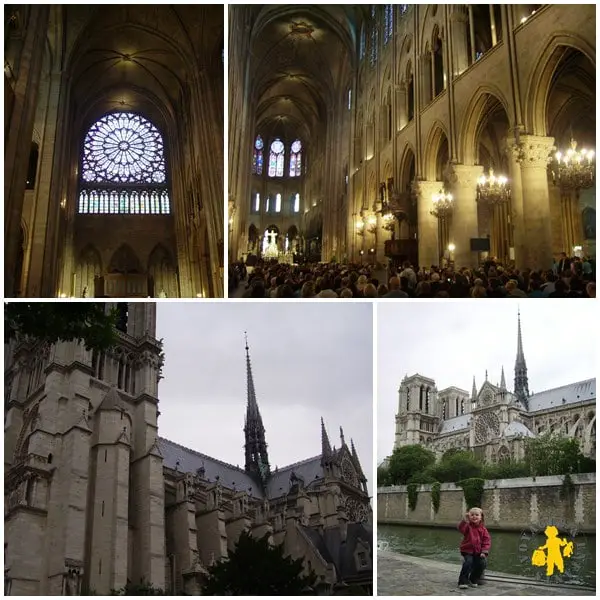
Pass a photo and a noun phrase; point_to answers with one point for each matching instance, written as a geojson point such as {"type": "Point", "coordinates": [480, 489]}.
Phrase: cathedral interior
{"type": "Point", "coordinates": [113, 121]}
{"type": "Point", "coordinates": [439, 134]}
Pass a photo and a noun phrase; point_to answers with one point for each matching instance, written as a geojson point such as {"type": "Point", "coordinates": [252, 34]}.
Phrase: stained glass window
{"type": "Point", "coordinates": [122, 150]}
{"type": "Point", "coordinates": [388, 32]}
{"type": "Point", "coordinates": [363, 43]}
{"type": "Point", "coordinates": [257, 203]}
{"type": "Point", "coordinates": [278, 203]}
{"type": "Point", "coordinates": [276, 158]}
{"type": "Point", "coordinates": [296, 159]}
{"type": "Point", "coordinates": [403, 8]}
{"type": "Point", "coordinates": [257, 157]}
{"type": "Point", "coordinates": [267, 204]}
{"type": "Point", "coordinates": [374, 36]}
{"type": "Point", "coordinates": [297, 203]}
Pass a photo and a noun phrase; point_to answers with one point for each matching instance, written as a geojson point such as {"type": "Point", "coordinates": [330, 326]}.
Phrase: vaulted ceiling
{"type": "Point", "coordinates": [301, 60]}
{"type": "Point", "coordinates": [139, 58]}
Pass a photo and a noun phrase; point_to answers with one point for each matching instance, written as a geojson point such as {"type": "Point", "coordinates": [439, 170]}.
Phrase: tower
{"type": "Point", "coordinates": [521, 383]}
{"type": "Point", "coordinates": [257, 459]}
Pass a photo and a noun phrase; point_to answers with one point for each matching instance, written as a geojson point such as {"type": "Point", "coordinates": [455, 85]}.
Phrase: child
{"type": "Point", "coordinates": [475, 547]}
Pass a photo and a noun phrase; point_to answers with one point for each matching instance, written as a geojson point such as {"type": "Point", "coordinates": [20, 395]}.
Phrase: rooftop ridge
{"type": "Point", "coordinates": [567, 385]}
{"type": "Point", "coordinates": [453, 387]}
{"type": "Point", "coordinates": [221, 462]}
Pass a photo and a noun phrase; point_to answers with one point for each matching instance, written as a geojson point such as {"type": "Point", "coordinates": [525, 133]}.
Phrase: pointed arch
{"type": "Point", "coordinates": [124, 260]}
{"type": "Point", "coordinates": [474, 114]}
{"type": "Point", "coordinates": [89, 268]}
{"type": "Point", "coordinates": [161, 268]}
{"type": "Point", "coordinates": [540, 82]}
{"type": "Point", "coordinates": [438, 135]}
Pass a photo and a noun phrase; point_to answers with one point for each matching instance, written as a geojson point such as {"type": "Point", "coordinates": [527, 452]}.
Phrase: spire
{"type": "Point", "coordinates": [502, 380]}
{"type": "Point", "coordinates": [486, 375]}
{"type": "Point", "coordinates": [325, 445]}
{"type": "Point", "coordinates": [257, 459]}
{"type": "Point", "coordinates": [474, 391]}
{"type": "Point", "coordinates": [342, 436]}
{"type": "Point", "coordinates": [521, 382]}
{"type": "Point", "coordinates": [354, 454]}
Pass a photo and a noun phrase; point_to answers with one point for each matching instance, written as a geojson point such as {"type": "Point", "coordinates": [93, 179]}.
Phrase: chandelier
{"type": "Point", "coordinates": [360, 228]}
{"type": "Point", "coordinates": [388, 221]}
{"type": "Point", "coordinates": [372, 224]}
{"type": "Point", "coordinates": [493, 189]}
{"type": "Point", "coordinates": [574, 170]}
{"type": "Point", "coordinates": [442, 205]}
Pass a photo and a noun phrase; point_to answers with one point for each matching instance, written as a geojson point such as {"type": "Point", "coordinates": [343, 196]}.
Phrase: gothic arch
{"type": "Point", "coordinates": [124, 260]}
{"type": "Point", "coordinates": [438, 135]}
{"type": "Point", "coordinates": [405, 56]}
{"type": "Point", "coordinates": [89, 267]}
{"type": "Point", "coordinates": [540, 82]}
{"type": "Point", "coordinates": [161, 269]}
{"type": "Point", "coordinates": [407, 159]}
{"type": "Point", "coordinates": [476, 113]}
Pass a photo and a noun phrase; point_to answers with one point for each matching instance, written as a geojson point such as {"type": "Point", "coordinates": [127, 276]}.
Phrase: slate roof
{"type": "Point", "coordinates": [341, 554]}
{"type": "Point", "coordinates": [456, 423]}
{"type": "Point", "coordinates": [560, 396]}
{"type": "Point", "coordinates": [190, 461]}
{"type": "Point", "coordinates": [518, 428]}
{"type": "Point", "coordinates": [308, 470]}
{"type": "Point", "coordinates": [186, 460]}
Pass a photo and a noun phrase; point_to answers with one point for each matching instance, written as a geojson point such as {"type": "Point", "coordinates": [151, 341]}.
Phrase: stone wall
{"type": "Point", "coordinates": [510, 504]}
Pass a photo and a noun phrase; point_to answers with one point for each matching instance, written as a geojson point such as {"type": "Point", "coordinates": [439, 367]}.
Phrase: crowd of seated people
{"type": "Point", "coordinates": [570, 278]}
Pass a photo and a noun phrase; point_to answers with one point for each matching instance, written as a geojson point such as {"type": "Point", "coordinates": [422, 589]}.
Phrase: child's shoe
{"type": "Point", "coordinates": [472, 584]}
{"type": "Point", "coordinates": [463, 586]}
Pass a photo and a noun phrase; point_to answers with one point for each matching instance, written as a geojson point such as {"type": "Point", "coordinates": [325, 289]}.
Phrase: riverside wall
{"type": "Point", "coordinates": [508, 504]}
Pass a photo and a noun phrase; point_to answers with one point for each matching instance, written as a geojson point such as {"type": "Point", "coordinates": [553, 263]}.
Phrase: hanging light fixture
{"type": "Point", "coordinates": [574, 169]}
{"type": "Point", "coordinates": [493, 189]}
{"type": "Point", "coordinates": [442, 205]}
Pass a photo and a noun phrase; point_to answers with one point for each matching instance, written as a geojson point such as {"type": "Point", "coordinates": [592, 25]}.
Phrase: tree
{"type": "Point", "coordinates": [554, 454]}
{"type": "Point", "coordinates": [256, 568]}
{"type": "Point", "coordinates": [408, 461]}
{"type": "Point", "coordinates": [456, 466]}
{"type": "Point", "coordinates": [383, 476]}
{"type": "Point", "coordinates": [61, 321]}
{"type": "Point", "coordinates": [139, 589]}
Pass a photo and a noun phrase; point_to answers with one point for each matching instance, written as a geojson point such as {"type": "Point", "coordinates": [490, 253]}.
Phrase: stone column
{"type": "Point", "coordinates": [379, 235]}
{"type": "Point", "coordinates": [401, 106]}
{"type": "Point", "coordinates": [427, 223]}
{"type": "Point", "coordinates": [19, 133]}
{"type": "Point", "coordinates": [463, 186]}
{"type": "Point", "coordinates": [517, 222]}
{"type": "Point", "coordinates": [533, 152]}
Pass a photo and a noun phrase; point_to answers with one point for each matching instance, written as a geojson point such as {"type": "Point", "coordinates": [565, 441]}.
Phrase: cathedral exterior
{"type": "Point", "coordinates": [94, 498]}
{"type": "Point", "coordinates": [493, 421]}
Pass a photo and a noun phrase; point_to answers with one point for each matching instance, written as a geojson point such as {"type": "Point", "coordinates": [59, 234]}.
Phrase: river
{"type": "Point", "coordinates": [511, 551]}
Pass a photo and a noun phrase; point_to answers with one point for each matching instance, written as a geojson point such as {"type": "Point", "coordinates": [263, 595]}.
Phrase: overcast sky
{"type": "Point", "coordinates": [450, 342]}
{"type": "Point", "coordinates": [308, 360]}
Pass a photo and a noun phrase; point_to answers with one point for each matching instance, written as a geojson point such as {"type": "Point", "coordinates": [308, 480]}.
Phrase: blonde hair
{"type": "Point", "coordinates": [476, 508]}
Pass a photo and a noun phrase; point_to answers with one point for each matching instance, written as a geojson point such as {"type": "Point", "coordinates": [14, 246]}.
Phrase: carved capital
{"type": "Point", "coordinates": [532, 151]}
{"type": "Point", "coordinates": [463, 175]}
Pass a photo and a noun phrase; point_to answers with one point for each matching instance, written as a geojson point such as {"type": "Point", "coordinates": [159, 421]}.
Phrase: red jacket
{"type": "Point", "coordinates": [477, 538]}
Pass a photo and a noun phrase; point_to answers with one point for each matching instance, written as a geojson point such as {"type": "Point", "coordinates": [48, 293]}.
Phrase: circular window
{"type": "Point", "coordinates": [277, 147]}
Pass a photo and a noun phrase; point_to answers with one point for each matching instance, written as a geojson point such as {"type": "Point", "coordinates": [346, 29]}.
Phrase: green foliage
{"type": "Point", "coordinates": [567, 489]}
{"type": "Point", "coordinates": [457, 465]}
{"type": "Point", "coordinates": [505, 469]}
{"type": "Point", "coordinates": [424, 477]}
{"type": "Point", "coordinates": [255, 568]}
{"type": "Point", "coordinates": [383, 477]}
{"type": "Point", "coordinates": [436, 496]}
{"type": "Point", "coordinates": [408, 461]}
{"type": "Point", "coordinates": [551, 454]}
{"type": "Point", "coordinates": [413, 495]}
{"type": "Point", "coordinates": [473, 491]}
{"type": "Point", "coordinates": [61, 321]}
{"type": "Point", "coordinates": [139, 589]}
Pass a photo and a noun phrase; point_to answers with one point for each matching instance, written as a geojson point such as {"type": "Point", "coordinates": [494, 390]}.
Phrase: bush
{"type": "Point", "coordinates": [506, 469]}
{"type": "Point", "coordinates": [413, 495]}
{"type": "Point", "coordinates": [436, 496]}
{"type": "Point", "coordinates": [473, 491]}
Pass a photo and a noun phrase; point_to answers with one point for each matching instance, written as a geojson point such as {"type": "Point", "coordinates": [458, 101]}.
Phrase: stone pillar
{"type": "Point", "coordinates": [517, 222]}
{"type": "Point", "coordinates": [19, 133]}
{"type": "Point", "coordinates": [463, 186]}
{"type": "Point", "coordinates": [533, 152]}
{"type": "Point", "coordinates": [427, 223]}
{"type": "Point", "coordinates": [379, 235]}
{"type": "Point", "coordinates": [425, 80]}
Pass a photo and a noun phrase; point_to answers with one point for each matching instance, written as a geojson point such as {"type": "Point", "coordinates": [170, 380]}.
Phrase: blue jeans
{"type": "Point", "coordinates": [472, 569]}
